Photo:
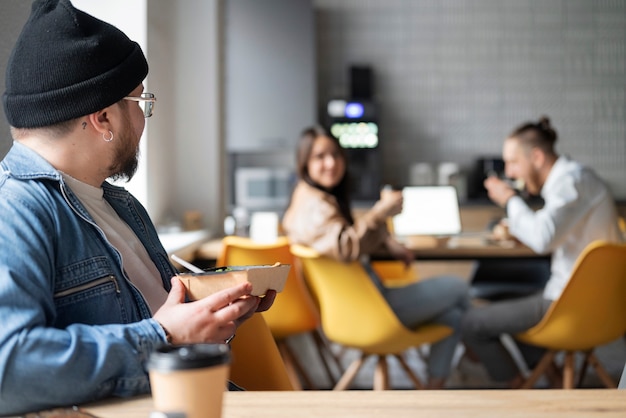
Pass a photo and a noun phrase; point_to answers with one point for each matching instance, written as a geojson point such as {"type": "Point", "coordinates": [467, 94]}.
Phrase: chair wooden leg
{"type": "Point", "coordinates": [350, 373]}
{"type": "Point", "coordinates": [601, 371]}
{"type": "Point", "coordinates": [423, 351]}
{"type": "Point", "coordinates": [539, 370]}
{"type": "Point", "coordinates": [294, 368]}
{"type": "Point", "coordinates": [583, 370]}
{"type": "Point", "coordinates": [555, 375]}
{"type": "Point", "coordinates": [381, 374]}
{"type": "Point", "coordinates": [568, 371]}
{"type": "Point", "coordinates": [324, 351]}
{"type": "Point", "coordinates": [418, 384]}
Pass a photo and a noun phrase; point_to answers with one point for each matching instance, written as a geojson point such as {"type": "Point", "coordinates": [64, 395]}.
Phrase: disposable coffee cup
{"type": "Point", "coordinates": [189, 380]}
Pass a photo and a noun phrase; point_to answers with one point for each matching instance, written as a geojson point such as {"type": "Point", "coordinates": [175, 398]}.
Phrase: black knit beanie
{"type": "Point", "coordinates": [68, 64]}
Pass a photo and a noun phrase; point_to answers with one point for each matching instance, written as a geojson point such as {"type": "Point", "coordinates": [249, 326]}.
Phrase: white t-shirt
{"type": "Point", "coordinates": [136, 262]}
{"type": "Point", "coordinates": [578, 209]}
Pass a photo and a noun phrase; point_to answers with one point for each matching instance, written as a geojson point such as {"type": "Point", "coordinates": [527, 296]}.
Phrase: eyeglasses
{"type": "Point", "coordinates": [146, 103]}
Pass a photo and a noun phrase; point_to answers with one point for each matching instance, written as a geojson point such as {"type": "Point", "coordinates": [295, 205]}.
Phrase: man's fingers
{"type": "Point", "coordinates": [240, 308]}
{"type": "Point", "coordinates": [177, 293]}
{"type": "Point", "coordinates": [266, 301]}
{"type": "Point", "coordinates": [225, 297]}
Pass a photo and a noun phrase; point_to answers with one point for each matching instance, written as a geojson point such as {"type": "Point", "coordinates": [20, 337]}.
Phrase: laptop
{"type": "Point", "coordinates": [428, 210]}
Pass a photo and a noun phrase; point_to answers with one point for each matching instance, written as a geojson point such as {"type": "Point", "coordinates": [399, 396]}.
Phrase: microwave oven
{"type": "Point", "coordinates": [263, 187]}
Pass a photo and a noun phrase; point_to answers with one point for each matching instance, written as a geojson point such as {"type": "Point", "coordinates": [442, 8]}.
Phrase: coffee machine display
{"type": "Point", "coordinates": [354, 124]}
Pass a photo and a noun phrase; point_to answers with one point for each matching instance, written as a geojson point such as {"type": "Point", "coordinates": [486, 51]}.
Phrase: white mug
{"type": "Point", "coordinates": [264, 227]}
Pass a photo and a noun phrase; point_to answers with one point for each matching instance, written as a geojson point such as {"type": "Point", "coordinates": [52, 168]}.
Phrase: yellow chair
{"type": "Point", "coordinates": [394, 273]}
{"type": "Point", "coordinates": [590, 312]}
{"type": "Point", "coordinates": [293, 312]}
{"type": "Point", "coordinates": [256, 362]}
{"type": "Point", "coordinates": [355, 315]}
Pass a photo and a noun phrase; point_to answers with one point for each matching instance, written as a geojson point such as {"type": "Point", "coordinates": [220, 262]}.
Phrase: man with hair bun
{"type": "Point", "coordinates": [578, 209]}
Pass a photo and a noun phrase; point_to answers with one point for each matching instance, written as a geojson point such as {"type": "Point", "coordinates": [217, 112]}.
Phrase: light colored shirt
{"type": "Point", "coordinates": [578, 209]}
{"type": "Point", "coordinates": [136, 262]}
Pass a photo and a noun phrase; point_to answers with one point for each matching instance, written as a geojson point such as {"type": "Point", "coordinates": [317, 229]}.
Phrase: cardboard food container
{"type": "Point", "coordinates": [262, 277]}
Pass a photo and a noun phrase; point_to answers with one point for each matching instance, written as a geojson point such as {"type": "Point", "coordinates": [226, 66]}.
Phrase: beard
{"type": "Point", "coordinates": [126, 155]}
{"type": "Point", "coordinates": [533, 184]}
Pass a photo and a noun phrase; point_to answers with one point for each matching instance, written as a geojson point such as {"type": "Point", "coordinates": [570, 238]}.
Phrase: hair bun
{"type": "Point", "coordinates": [546, 129]}
{"type": "Point", "coordinates": [544, 123]}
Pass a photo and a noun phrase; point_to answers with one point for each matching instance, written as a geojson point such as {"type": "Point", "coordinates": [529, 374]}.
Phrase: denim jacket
{"type": "Point", "coordinates": [74, 329]}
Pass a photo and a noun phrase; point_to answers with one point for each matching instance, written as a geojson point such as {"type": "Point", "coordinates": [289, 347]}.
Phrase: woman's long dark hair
{"type": "Point", "coordinates": [341, 192]}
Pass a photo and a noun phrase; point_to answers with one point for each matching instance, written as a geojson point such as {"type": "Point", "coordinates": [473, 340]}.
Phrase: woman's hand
{"type": "Point", "coordinates": [400, 252]}
{"type": "Point", "coordinates": [391, 202]}
{"type": "Point", "coordinates": [212, 319]}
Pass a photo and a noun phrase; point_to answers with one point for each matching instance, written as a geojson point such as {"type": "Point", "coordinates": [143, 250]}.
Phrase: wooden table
{"type": "Point", "coordinates": [466, 247]}
{"type": "Point", "coordinates": [400, 404]}
{"type": "Point", "coordinates": [473, 246]}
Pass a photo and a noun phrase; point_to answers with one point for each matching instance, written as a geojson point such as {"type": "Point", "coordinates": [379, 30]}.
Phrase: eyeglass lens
{"type": "Point", "coordinates": [147, 105]}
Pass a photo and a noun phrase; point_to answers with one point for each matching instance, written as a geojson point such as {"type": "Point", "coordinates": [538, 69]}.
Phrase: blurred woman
{"type": "Point", "coordinates": [320, 216]}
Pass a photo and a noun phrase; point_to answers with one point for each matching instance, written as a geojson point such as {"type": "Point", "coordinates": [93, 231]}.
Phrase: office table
{"type": "Point", "coordinates": [473, 246]}
{"type": "Point", "coordinates": [587, 403]}
{"type": "Point", "coordinates": [465, 247]}
{"type": "Point", "coordinates": [472, 256]}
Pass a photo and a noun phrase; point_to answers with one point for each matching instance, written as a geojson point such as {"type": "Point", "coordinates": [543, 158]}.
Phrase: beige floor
{"type": "Point", "coordinates": [466, 374]}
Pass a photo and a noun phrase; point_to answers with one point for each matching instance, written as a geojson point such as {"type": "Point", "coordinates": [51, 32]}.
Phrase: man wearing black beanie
{"type": "Point", "coordinates": [86, 288]}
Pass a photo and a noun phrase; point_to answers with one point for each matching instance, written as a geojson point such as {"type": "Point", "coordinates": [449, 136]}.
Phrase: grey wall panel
{"type": "Point", "coordinates": [454, 77]}
{"type": "Point", "coordinates": [269, 72]}
{"type": "Point", "coordinates": [13, 15]}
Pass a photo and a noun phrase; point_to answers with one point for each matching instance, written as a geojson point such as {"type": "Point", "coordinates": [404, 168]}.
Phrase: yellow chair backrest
{"type": "Point", "coordinates": [592, 308]}
{"type": "Point", "coordinates": [256, 362]}
{"type": "Point", "coordinates": [394, 273]}
{"type": "Point", "coordinates": [354, 313]}
{"type": "Point", "coordinates": [293, 311]}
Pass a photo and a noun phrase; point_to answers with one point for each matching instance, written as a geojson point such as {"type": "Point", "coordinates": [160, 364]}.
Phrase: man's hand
{"type": "Point", "coordinates": [212, 319]}
{"type": "Point", "coordinates": [498, 190]}
{"type": "Point", "coordinates": [265, 302]}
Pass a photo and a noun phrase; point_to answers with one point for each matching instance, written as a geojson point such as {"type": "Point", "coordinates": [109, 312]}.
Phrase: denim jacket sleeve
{"type": "Point", "coordinates": [47, 359]}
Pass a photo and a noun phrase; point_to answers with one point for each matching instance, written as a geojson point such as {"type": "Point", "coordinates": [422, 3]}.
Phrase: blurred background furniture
{"type": "Point", "coordinates": [294, 312]}
{"type": "Point", "coordinates": [355, 315]}
{"type": "Point", "coordinates": [590, 312]}
{"type": "Point", "coordinates": [498, 279]}
{"type": "Point", "coordinates": [395, 273]}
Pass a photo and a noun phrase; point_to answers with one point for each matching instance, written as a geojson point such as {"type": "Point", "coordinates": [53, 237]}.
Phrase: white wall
{"type": "Point", "coordinates": [180, 166]}
{"type": "Point", "coordinates": [131, 18]}
{"type": "Point", "coordinates": [185, 161]}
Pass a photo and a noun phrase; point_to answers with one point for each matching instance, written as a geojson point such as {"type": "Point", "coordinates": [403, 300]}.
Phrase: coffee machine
{"type": "Point", "coordinates": [354, 122]}
{"type": "Point", "coordinates": [484, 167]}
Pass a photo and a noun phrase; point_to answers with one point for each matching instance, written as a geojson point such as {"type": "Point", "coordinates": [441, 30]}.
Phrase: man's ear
{"type": "Point", "coordinates": [538, 157]}
{"type": "Point", "coordinates": [100, 121]}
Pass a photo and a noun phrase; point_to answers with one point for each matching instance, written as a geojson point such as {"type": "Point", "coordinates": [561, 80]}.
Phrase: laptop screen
{"type": "Point", "coordinates": [428, 210]}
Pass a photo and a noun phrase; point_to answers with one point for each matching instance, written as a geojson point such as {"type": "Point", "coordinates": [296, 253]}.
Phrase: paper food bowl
{"type": "Point", "coordinates": [263, 278]}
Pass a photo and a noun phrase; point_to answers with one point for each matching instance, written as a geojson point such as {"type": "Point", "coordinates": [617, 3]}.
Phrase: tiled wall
{"type": "Point", "coordinates": [454, 77]}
